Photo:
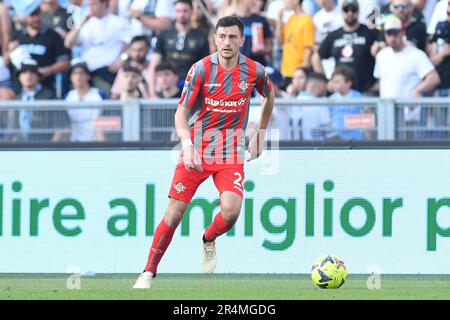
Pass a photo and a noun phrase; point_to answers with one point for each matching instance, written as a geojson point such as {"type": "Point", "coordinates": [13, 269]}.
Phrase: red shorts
{"type": "Point", "coordinates": [226, 178]}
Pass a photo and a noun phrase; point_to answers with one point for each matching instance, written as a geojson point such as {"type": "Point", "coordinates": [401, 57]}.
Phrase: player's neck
{"type": "Point", "coordinates": [228, 63]}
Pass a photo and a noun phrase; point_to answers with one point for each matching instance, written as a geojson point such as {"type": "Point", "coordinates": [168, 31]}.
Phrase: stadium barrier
{"type": "Point", "coordinates": [365, 119]}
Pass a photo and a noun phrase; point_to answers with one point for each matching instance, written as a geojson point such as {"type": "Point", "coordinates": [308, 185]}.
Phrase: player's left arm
{"type": "Point", "coordinates": [256, 145]}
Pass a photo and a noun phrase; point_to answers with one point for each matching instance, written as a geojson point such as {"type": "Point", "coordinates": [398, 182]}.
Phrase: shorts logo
{"type": "Point", "coordinates": [243, 86]}
{"type": "Point", "coordinates": [179, 187]}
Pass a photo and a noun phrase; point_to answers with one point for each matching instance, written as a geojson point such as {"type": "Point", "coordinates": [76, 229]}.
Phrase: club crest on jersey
{"type": "Point", "coordinates": [179, 187]}
{"type": "Point", "coordinates": [243, 86]}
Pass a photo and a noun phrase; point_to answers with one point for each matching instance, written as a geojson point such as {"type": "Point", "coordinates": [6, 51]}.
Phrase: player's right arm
{"type": "Point", "coordinates": [191, 158]}
{"type": "Point", "coordinates": [191, 90]}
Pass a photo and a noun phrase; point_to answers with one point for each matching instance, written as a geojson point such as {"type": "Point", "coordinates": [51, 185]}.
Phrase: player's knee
{"type": "Point", "coordinates": [174, 212]}
{"type": "Point", "coordinates": [230, 213]}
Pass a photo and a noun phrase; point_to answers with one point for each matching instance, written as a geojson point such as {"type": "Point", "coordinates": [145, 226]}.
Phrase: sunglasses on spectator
{"type": "Point", "coordinates": [349, 8]}
{"type": "Point", "coordinates": [401, 6]}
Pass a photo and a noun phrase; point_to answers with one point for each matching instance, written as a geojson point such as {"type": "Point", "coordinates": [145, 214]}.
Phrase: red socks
{"type": "Point", "coordinates": [218, 227]}
{"type": "Point", "coordinates": [161, 240]}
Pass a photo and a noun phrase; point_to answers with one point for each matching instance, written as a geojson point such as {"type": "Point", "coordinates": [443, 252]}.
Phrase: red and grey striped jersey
{"type": "Point", "coordinates": [219, 101]}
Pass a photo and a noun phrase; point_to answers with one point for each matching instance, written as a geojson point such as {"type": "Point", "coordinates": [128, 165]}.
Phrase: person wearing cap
{"type": "Point", "coordinates": [350, 45]}
{"type": "Point", "coordinates": [180, 45]}
{"type": "Point", "coordinates": [31, 90]}
{"type": "Point", "coordinates": [81, 119]}
{"type": "Point", "coordinates": [415, 29]}
{"type": "Point", "coordinates": [44, 46]}
{"type": "Point", "coordinates": [404, 71]}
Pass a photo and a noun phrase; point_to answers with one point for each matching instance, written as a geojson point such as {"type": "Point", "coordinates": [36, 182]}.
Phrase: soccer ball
{"type": "Point", "coordinates": [329, 272]}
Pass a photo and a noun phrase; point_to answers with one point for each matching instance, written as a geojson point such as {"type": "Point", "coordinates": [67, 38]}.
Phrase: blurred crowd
{"type": "Point", "coordinates": [90, 50]}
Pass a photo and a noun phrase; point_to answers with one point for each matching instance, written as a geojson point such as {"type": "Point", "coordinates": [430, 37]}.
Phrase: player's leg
{"type": "Point", "coordinates": [229, 183]}
{"type": "Point", "coordinates": [161, 240]}
{"type": "Point", "coordinates": [184, 185]}
{"type": "Point", "coordinates": [230, 204]}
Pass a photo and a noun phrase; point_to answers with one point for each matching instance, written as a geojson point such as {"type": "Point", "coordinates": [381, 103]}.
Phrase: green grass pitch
{"type": "Point", "coordinates": [221, 286]}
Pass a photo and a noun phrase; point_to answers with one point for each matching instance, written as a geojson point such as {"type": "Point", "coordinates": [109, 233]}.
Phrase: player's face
{"type": "Point", "coordinates": [228, 41]}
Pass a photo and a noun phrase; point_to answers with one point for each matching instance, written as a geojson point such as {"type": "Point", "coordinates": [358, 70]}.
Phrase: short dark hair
{"type": "Point", "coordinates": [189, 2]}
{"type": "Point", "coordinates": [229, 21]}
{"type": "Point", "coordinates": [346, 72]}
{"type": "Point", "coordinates": [130, 67]}
{"type": "Point", "coordinates": [314, 76]}
{"type": "Point", "coordinates": [139, 39]}
{"type": "Point", "coordinates": [163, 66]}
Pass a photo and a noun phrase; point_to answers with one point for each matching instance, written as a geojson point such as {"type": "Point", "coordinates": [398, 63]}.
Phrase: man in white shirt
{"type": "Point", "coordinates": [103, 37]}
{"type": "Point", "coordinates": [146, 17]}
{"type": "Point", "coordinates": [403, 70]}
{"type": "Point", "coordinates": [439, 14]}
{"type": "Point", "coordinates": [326, 20]}
{"type": "Point", "coordinates": [82, 119]}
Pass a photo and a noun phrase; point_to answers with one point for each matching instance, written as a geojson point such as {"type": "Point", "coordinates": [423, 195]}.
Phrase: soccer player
{"type": "Point", "coordinates": [217, 96]}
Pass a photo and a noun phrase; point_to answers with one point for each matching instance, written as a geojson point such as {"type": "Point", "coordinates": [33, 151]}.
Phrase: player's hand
{"type": "Point", "coordinates": [192, 159]}
{"type": "Point", "coordinates": [256, 145]}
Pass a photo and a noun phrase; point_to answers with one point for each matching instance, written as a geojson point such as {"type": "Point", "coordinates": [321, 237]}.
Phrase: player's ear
{"type": "Point", "coordinates": [242, 40]}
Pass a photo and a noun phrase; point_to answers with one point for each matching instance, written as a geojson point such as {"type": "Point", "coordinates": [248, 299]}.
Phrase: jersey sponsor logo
{"type": "Point", "coordinates": [225, 103]}
{"type": "Point", "coordinates": [243, 85]}
{"type": "Point", "coordinates": [179, 187]}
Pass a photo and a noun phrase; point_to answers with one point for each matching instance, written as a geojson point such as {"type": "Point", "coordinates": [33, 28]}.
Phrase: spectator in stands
{"type": "Point", "coordinates": [103, 37]}
{"type": "Point", "coordinates": [439, 14]}
{"type": "Point", "coordinates": [31, 90]}
{"type": "Point", "coordinates": [440, 54]}
{"type": "Point", "coordinates": [132, 76]}
{"type": "Point", "coordinates": [44, 45]}
{"type": "Point", "coordinates": [229, 8]}
{"type": "Point", "coordinates": [312, 122]}
{"type": "Point", "coordinates": [78, 10]}
{"type": "Point", "coordinates": [136, 54]}
{"type": "Point", "coordinates": [404, 71]}
{"type": "Point", "coordinates": [350, 45]}
{"type": "Point", "coordinates": [342, 83]}
{"type": "Point", "coordinates": [416, 30]}
{"type": "Point", "coordinates": [201, 21]}
{"type": "Point", "coordinates": [180, 45]}
{"type": "Point", "coordinates": [55, 17]}
{"type": "Point", "coordinates": [440, 57]}
{"type": "Point", "coordinates": [258, 42]}
{"type": "Point", "coordinates": [297, 39]}
{"type": "Point", "coordinates": [6, 92]}
{"type": "Point", "coordinates": [82, 119]}
{"type": "Point", "coordinates": [298, 82]}
{"type": "Point", "coordinates": [326, 20]}
{"type": "Point", "coordinates": [166, 81]}
{"type": "Point", "coordinates": [368, 11]}
{"type": "Point", "coordinates": [145, 17]}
